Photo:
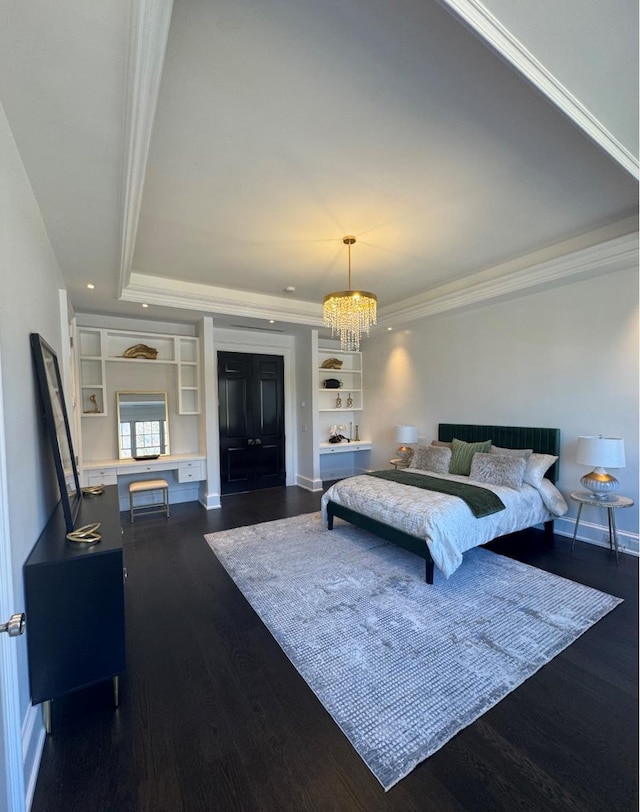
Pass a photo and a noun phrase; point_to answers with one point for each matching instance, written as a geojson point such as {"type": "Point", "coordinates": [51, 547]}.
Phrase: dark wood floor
{"type": "Point", "coordinates": [214, 716]}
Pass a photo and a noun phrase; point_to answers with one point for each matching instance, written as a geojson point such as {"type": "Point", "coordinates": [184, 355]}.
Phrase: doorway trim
{"type": "Point", "coordinates": [10, 722]}
{"type": "Point", "coordinates": [226, 340]}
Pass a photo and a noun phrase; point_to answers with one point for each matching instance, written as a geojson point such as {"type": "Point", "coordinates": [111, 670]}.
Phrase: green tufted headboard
{"type": "Point", "coordinates": [541, 440]}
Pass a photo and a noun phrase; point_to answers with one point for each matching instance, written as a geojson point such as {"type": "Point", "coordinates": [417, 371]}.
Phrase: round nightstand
{"type": "Point", "coordinates": [399, 463]}
{"type": "Point", "coordinates": [611, 503]}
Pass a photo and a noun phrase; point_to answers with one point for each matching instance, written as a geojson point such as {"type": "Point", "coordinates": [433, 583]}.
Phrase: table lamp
{"type": "Point", "coordinates": [405, 435]}
{"type": "Point", "coordinates": [600, 452]}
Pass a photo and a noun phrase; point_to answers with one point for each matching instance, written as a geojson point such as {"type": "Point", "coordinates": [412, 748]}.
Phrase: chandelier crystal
{"type": "Point", "coordinates": [349, 313]}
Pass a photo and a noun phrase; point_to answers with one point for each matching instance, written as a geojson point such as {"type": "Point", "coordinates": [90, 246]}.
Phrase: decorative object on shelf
{"type": "Point", "coordinates": [600, 452]}
{"type": "Point", "coordinates": [96, 408]}
{"type": "Point", "coordinates": [141, 351]}
{"type": "Point", "coordinates": [336, 434]}
{"type": "Point", "coordinates": [338, 402]}
{"type": "Point", "coordinates": [357, 436]}
{"type": "Point", "coordinates": [405, 435]}
{"type": "Point", "coordinates": [85, 535]}
{"type": "Point", "coordinates": [93, 490]}
{"type": "Point", "coordinates": [349, 401]}
{"type": "Point", "coordinates": [331, 363]}
{"type": "Point", "coordinates": [350, 312]}
{"type": "Point", "coordinates": [332, 383]}
{"type": "Point", "coordinates": [146, 457]}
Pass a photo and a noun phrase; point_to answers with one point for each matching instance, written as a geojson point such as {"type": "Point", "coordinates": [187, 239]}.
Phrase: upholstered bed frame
{"type": "Point", "coordinates": [541, 440]}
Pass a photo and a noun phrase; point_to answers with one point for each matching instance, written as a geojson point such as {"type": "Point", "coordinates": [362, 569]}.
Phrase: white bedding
{"type": "Point", "coordinates": [445, 522]}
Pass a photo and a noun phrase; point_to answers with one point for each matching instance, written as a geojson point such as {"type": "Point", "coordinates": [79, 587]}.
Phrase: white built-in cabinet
{"type": "Point", "coordinates": [341, 406]}
{"type": "Point", "coordinates": [98, 348]}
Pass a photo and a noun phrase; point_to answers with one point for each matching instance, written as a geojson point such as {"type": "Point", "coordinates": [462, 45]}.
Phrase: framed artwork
{"type": "Point", "coordinates": [57, 425]}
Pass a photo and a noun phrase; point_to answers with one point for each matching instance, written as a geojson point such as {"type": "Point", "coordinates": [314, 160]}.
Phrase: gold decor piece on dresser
{"type": "Point", "coordinates": [93, 490]}
{"type": "Point", "coordinates": [331, 363]}
{"type": "Point", "coordinates": [350, 312]}
{"type": "Point", "coordinates": [141, 351]}
{"type": "Point", "coordinates": [86, 535]}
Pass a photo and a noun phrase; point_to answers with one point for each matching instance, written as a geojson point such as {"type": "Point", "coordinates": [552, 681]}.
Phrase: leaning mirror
{"type": "Point", "coordinates": [57, 423]}
{"type": "Point", "coordinates": [143, 427]}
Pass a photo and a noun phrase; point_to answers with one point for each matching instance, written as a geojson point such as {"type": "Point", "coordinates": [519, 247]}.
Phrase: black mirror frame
{"type": "Point", "coordinates": [51, 392]}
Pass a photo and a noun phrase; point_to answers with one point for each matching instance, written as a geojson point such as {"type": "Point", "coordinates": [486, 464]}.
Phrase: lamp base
{"type": "Point", "coordinates": [405, 453]}
{"type": "Point", "coordinates": [600, 484]}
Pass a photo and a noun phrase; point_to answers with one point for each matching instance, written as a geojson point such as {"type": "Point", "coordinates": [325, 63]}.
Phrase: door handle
{"type": "Point", "coordinates": [257, 442]}
{"type": "Point", "coordinates": [15, 625]}
{"type": "Point", "coordinates": [250, 442]}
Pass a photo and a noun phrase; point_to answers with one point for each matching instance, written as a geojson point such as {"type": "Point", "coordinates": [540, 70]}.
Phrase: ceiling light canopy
{"type": "Point", "coordinates": [349, 313]}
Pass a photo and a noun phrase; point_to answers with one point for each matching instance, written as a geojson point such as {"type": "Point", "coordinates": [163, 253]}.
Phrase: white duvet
{"type": "Point", "coordinates": [445, 522]}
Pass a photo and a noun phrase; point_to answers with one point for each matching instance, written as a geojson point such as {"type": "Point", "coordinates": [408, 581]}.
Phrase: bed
{"type": "Point", "coordinates": [438, 526]}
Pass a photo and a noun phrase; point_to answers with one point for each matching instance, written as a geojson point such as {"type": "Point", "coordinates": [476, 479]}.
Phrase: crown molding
{"type": "Point", "coordinates": [210, 299]}
{"type": "Point", "coordinates": [482, 288]}
{"type": "Point", "coordinates": [149, 31]}
{"type": "Point", "coordinates": [481, 20]}
{"type": "Point", "coordinates": [614, 255]}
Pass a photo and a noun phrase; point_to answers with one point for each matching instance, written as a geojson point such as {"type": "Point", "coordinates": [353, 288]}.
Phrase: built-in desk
{"type": "Point", "coordinates": [183, 472]}
{"type": "Point", "coordinates": [338, 460]}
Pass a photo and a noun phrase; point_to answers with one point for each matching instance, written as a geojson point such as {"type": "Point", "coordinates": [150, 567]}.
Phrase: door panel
{"type": "Point", "coordinates": [251, 412]}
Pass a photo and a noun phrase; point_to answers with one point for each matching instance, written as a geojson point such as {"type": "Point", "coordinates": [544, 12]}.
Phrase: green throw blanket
{"type": "Point", "coordinates": [481, 501]}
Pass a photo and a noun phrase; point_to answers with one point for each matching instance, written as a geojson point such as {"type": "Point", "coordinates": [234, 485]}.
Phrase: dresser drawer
{"type": "Point", "coordinates": [191, 471]}
{"type": "Point", "coordinates": [102, 476]}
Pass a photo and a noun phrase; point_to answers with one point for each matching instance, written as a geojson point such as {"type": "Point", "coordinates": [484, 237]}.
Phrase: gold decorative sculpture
{"type": "Point", "coordinates": [141, 351]}
{"type": "Point", "coordinates": [331, 363]}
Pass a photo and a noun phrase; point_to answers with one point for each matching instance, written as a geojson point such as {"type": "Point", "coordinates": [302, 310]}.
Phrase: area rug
{"type": "Point", "coordinates": [401, 666]}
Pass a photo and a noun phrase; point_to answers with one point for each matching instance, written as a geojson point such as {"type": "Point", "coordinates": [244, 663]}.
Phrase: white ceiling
{"type": "Point", "coordinates": [282, 127]}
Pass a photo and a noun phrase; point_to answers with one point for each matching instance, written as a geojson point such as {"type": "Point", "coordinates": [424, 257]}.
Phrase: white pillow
{"type": "Point", "coordinates": [496, 469]}
{"type": "Point", "coordinates": [537, 467]}
{"type": "Point", "coordinates": [553, 500]}
{"type": "Point", "coordinates": [525, 453]}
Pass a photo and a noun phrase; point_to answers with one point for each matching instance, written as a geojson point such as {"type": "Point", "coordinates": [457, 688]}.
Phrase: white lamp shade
{"type": "Point", "coordinates": [406, 434]}
{"type": "Point", "coordinates": [601, 452]}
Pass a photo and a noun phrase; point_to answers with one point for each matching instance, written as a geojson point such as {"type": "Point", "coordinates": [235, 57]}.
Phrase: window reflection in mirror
{"type": "Point", "coordinates": [143, 428]}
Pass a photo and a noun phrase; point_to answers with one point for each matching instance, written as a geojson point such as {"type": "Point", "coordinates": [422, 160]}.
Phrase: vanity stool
{"type": "Point", "coordinates": [149, 485]}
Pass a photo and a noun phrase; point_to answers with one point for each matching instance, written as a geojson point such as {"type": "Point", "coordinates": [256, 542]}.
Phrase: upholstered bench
{"type": "Point", "coordinates": [144, 486]}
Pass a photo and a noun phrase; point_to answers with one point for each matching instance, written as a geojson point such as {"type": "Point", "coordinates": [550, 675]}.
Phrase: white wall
{"type": "Point", "coordinates": [30, 281]}
{"type": "Point", "coordinates": [565, 358]}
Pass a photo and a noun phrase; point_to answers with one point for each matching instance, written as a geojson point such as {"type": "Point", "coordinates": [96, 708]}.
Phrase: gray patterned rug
{"type": "Point", "coordinates": [401, 666]}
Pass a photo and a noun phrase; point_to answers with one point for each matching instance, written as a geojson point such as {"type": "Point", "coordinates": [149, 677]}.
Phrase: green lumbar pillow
{"type": "Point", "coordinates": [462, 454]}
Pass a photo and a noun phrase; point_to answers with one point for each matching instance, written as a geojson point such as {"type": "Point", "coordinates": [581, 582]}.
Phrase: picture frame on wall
{"type": "Point", "coordinates": [57, 426]}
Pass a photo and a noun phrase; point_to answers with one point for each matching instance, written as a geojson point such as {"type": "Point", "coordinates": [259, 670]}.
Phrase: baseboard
{"type": "Point", "coordinates": [210, 501]}
{"type": "Point", "coordinates": [313, 485]}
{"type": "Point", "coordinates": [33, 738]}
{"type": "Point", "coordinates": [596, 534]}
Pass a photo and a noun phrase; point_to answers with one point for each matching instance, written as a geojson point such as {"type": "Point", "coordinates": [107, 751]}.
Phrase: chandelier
{"type": "Point", "coordinates": [349, 312]}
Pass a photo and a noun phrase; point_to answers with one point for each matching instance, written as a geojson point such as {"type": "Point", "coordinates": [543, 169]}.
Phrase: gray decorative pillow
{"type": "Point", "coordinates": [496, 469]}
{"type": "Point", "coordinates": [525, 453]}
{"type": "Point", "coordinates": [431, 458]}
{"type": "Point", "coordinates": [537, 467]}
{"type": "Point", "coordinates": [462, 454]}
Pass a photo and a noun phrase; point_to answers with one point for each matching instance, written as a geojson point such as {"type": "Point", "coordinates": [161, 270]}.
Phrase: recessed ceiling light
{"type": "Point", "coordinates": [90, 285]}
{"type": "Point", "coordinates": [289, 289]}
{"type": "Point", "coordinates": [145, 305]}
{"type": "Point", "coordinates": [389, 329]}
{"type": "Point", "coordinates": [271, 321]}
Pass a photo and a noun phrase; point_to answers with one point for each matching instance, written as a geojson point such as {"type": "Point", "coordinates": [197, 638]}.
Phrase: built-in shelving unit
{"type": "Point", "coordinates": [341, 406]}
{"type": "Point", "coordinates": [97, 348]}
{"type": "Point", "coordinates": [347, 397]}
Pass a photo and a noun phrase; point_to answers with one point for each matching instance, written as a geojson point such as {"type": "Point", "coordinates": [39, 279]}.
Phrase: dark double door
{"type": "Point", "coordinates": [251, 415]}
